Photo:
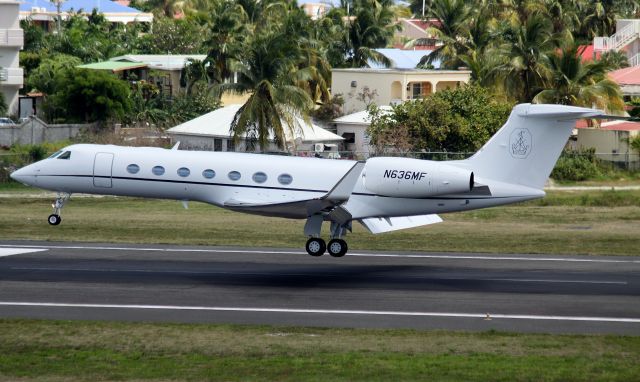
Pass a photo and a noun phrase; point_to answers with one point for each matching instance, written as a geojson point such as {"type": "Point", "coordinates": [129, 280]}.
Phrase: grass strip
{"type": "Point", "coordinates": [80, 350]}
{"type": "Point", "coordinates": [591, 222]}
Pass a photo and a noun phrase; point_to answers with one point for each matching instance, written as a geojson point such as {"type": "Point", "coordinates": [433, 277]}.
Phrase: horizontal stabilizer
{"type": "Point", "coordinates": [387, 224]}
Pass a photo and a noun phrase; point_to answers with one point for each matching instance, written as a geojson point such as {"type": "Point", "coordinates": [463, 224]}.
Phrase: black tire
{"type": "Point", "coordinates": [315, 247]}
{"type": "Point", "coordinates": [337, 247]}
{"type": "Point", "coordinates": [54, 219]}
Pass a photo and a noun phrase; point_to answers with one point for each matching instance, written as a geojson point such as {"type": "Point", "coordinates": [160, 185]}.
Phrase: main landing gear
{"type": "Point", "coordinates": [316, 246]}
{"type": "Point", "coordinates": [54, 218]}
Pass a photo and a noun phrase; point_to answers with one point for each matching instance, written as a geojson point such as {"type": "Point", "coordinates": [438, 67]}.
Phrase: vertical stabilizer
{"type": "Point", "coordinates": [525, 150]}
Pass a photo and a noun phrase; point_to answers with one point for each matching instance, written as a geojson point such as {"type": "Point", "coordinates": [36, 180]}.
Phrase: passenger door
{"type": "Point", "coordinates": [102, 170]}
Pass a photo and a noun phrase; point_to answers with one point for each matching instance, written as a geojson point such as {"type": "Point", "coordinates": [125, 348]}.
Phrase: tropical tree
{"type": "Point", "coordinates": [571, 82]}
{"type": "Point", "coordinates": [270, 59]}
{"type": "Point", "coordinates": [95, 96]}
{"type": "Point", "coordinates": [524, 52]}
{"type": "Point", "coordinates": [452, 29]}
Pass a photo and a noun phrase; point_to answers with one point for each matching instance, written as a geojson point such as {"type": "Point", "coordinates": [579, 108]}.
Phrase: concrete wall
{"type": "Point", "coordinates": [35, 131]}
{"type": "Point", "coordinates": [610, 145]}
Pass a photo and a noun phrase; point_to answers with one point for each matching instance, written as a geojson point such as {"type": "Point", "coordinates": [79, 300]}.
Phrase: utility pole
{"type": "Point", "coordinates": [58, 16]}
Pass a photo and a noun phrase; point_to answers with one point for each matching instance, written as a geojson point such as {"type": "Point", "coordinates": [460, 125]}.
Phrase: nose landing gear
{"type": "Point", "coordinates": [54, 218]}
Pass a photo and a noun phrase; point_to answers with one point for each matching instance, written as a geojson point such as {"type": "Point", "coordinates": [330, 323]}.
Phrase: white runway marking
{"type": "Point", "coordinates": [325, 311]}
{"type": "Point", "coordinates": [280, 252]}
{"type": "Point", "coordinates": [18, 251]}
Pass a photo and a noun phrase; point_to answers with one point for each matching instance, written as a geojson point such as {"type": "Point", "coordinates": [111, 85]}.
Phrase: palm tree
{"type": "Point", "coordinates": [267, 73]}
{"type": "Point", "coordinates": [227, 30]}
{"type": "Point", "coordinates": [453, 17]}
{"type": "Point", "coordinates": [571, 82]}
{"type": "Point", "coordinates": [524, 52]}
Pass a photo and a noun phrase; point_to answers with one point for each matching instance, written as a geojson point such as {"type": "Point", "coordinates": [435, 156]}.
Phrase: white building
{"type": "Point", "coordinates": [11, 42]}
{"type": "Point", "coordinates": [211, 132]}
{"type": "Point", "coordinates": [391, 86]}
{"type": "Point", "coordinates": [626, 39]}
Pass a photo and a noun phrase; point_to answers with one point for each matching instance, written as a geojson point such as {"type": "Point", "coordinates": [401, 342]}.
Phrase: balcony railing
{"type": "Point", "coordinates": [620, 39]}
{"type": "Point", "coordinates": [11, 37]}
{"type": "Point", "coordinates": [11, 76]}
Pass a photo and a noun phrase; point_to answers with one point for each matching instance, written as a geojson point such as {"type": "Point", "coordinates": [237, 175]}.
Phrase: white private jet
{"type": "Point", "coordinates": [383, 194]}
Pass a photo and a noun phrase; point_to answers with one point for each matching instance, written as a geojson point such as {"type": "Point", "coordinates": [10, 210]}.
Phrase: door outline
{"type": "Point", "coordinates": [103, 170]}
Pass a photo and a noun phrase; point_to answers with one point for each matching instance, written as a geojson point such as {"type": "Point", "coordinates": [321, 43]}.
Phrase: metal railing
{"type": "Point", "coordinates": [618, 40]}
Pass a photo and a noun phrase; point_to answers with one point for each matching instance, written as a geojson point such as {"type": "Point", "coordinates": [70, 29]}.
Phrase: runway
{"type": "Point", "coordinates": [460, 291]}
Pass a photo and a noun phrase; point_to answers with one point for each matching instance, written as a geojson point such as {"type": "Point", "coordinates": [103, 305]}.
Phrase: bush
{"type": "Point", "coordinates": [576, 166]}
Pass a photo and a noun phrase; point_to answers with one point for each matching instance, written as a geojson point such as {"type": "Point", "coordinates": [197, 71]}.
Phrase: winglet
{"type": "Point", "coordinates": [175, 147]}
{"type": "Point", "coordinates": [342, 190]}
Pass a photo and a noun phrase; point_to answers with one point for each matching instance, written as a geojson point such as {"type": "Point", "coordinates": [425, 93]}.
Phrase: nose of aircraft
{"type": "Point", "coordinates": [25, 175]}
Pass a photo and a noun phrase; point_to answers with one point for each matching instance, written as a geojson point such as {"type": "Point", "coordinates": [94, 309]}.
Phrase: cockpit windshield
{"type": "Point", "coordinates": [55, 154]}
{"type": "Point", "coordinates": [65, 155]}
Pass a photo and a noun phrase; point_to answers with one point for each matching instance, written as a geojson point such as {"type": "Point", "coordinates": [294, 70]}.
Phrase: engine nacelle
{"type": "Point", "coordinates": [414, 178]}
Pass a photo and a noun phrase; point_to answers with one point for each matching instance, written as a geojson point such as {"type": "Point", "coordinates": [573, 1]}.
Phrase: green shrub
{"type": "Point", "coordinates": [576, 165]}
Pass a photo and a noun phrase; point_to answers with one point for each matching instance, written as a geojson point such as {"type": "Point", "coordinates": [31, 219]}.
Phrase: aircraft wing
{"type": "Point", "coordinates": [302, 208]}
{"type": "Point", "coordinates": [387, 224]}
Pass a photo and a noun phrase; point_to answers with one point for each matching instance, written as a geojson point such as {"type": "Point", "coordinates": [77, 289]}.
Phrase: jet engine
{"type": "Point", "coordinates": [414, 178]}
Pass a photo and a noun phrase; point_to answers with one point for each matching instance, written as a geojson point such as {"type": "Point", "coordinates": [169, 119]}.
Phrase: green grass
{"type": "Point", "coordinates": [594, 222]}
{"type": "Point", "coordinates": [90, 351]}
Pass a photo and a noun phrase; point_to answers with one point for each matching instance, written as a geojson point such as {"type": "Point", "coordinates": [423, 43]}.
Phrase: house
{"type": "Point", "coordinates": [611, 142]}
{"type": "Point", "coordinates": [391, 86]}
{"type": "Point", "coordinates": [628, 79]}
{"type": "Point", "coordinates": [626, 39]}
{"type": "Point", "coordinates": [11, 42]}
{"type": "Point", "coordinates": [211, 132]}
{"type": "Point", "coordinates": [353, 128]}
{"type": "Point", "coordinates": [46, 12]}
{"type": "Point", "coordinates": [412, 29]}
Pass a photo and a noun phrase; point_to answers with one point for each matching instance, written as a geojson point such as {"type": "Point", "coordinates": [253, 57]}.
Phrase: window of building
{"type": "Point", "coordinates": [234, 175]}
{"type": "Point", "coordinates": [133, 168]}
{"type": "Point", "coordinates": [65, 155]}
{"type": "Point", "coordinates": [230, 145]}
{"type": "Point", "coordinates": [209, 174]}
{"type": "Point", "coordinates": [158, 170]}
{"type": "Point", "coordinates": [285, 179]}
{"type": "Point", "coordinates": [184, 172]}
{"type": "Point", "coordinates": [259, 177]}
{"type": "Point", "coordinates": [217, 144]}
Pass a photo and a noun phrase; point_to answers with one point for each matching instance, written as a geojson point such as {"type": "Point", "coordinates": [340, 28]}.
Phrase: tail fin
{"type": "Point", "coordinates": [525, 150]}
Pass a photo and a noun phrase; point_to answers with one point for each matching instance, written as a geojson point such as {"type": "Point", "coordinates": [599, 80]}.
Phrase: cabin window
{"type": "Point", "coordinates": [55, 154]}
{"type": "Point", "coordinates": [65, 155]}
{"type": "Point", "coordinates": [157, 170]}
{"type": "Point", "coordinates": [133, 168]}
{"type": "Point", "coordinates": [285, 179]}
{"type": "Point", "coordinates": [259, 177]}
{"type": "Point", "coordinates": [234, 175]}
{"type": "Point", "coordinates": [184, 172]}
{"type": "Point", "coordinates": [209, 174]}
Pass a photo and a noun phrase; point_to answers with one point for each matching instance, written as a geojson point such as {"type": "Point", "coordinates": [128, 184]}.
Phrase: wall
{"type": "Point", "coordinates": [610, 145]}
{"type": "Point", "coordinates": [351, 82]}
{"type": "Point", "coordinates": [35, 131]}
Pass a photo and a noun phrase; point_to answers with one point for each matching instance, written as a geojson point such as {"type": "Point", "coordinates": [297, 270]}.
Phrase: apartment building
{"type": "Point", "coordinates": [11, 42]}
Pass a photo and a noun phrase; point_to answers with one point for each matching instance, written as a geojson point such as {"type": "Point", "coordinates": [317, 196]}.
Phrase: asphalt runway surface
{"type": "Point", "coordinates": [460, 291]}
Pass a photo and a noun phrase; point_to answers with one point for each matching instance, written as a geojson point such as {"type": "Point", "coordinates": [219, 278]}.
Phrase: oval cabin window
{"type": "Point", "coordinates": [184, 172]}
{"type": "Point", "coordinates": [285, 179]}
{"type": "Point", "coordinates": [158, 170]}
{"type": "Point", "coordinates": [259, 177]}
{"type": "Point", "coordinates": [209, 174]}
{"type": "Point", "coordinates": [133, 168]}
{"type": "Point", "coordinates": [234, 175]}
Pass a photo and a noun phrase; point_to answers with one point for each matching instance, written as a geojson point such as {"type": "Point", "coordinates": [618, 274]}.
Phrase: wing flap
{"type": "Point", "coordinates": [377, 225]}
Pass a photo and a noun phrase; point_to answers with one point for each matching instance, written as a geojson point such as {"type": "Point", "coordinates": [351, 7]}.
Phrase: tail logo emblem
{"type": "Point", "coordinates": [520, 143]}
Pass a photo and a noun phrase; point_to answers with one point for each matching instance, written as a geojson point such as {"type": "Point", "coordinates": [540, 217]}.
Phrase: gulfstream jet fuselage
{"type": "Point", "coordinates": [383, 194]}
